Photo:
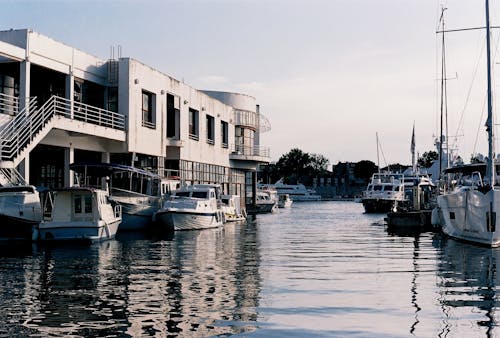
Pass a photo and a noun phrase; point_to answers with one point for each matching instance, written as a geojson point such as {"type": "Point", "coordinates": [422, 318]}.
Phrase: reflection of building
{"type": "Point", "coordinates": [60, 105]}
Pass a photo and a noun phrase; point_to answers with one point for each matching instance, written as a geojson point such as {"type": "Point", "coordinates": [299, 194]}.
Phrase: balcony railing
{"type": "Point", "coordinates": [246, 118]}
{"type": "Point", "coordinates": [246, 150]}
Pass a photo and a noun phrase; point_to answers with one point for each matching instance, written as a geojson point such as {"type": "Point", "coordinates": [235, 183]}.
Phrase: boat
{"type": "Point", "coordinates": [80, 213]}
{"type": "Point", "coordinates": [192, 207]}
{"type": "Point", "coordinates": [384, 192]}
{"type": "Point", "coordinates": [296, 192]}
{"type": "Point", "coordinates": [284, 201]}
{"type": "Point", "coordinates": [231, 207]}
{"type": "Point", "coordinates": [266, 201]}
{"type": "Point", "coordinates": [20, 211]}
{"type": "Point", "coordinates": [469, 208]}
{"type": "Point", "coordinates": [138, 191]}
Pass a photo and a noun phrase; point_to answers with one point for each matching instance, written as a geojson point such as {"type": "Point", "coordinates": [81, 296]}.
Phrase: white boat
{"type": "Point", "coordinates": [192, 207]}
{"type": "Point", "coordinates": [384, 192]}
{"type": "Point", "coordinates": [79, 213]}
{"type": "Point", "coordinates": [470, 211]}
{"type": "Point", "coordinates": [266, 201]}
{"type": "Point", "coordinates": [20, 211]}
{"type": "Point", "coordinates": [139, 192]}
{"type": "Point", "coordinates": [296, 192]}
{"type": "Point", "coordinates": [284, 201]}
{"type": "Point", "coordinates": [231, 207]}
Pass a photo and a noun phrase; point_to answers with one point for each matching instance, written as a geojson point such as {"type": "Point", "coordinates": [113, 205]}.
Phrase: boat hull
{"type": "Point", "coordinates": [63, 231]}
{"type": "Point", "coordinates": [188, 220]}
{"type": "Point", "coordinates": [13, 228]}
{"type": "Point", "coordinates": [472, 216]}
{"type": "Point", "coordinates": [378, 205]}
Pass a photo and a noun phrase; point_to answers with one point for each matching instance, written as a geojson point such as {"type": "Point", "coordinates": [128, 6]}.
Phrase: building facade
{"type": "Point", "coordinates": [60, 105]}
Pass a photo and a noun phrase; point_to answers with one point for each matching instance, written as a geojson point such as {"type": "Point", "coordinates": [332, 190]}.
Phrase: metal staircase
{"type": "Point", "coordinates": [20, 135]}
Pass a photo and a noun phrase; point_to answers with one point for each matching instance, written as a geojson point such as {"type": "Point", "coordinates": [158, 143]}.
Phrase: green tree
{"type": "Point", "coordinates": [297, 165]}
{"type": "Point", "coordinates": [364, 170]}
{"type": "Point", "coordinates": [425, 161]}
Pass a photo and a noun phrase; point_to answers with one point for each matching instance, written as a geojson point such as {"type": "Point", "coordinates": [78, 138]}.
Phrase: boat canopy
{"type": "Point", "coordinates": [107, 169]}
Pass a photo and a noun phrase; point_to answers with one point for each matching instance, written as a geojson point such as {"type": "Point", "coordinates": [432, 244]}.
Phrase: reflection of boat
{"type": "Point", "coordinates": [265, 202]}
{"type": "Point", "coordinates": [138, 191]}
{"type": "Point", "coordinates": [284, 201]}
{"type": "Point", "coordinates": [384, 192]}
{"type": "Point", "coordinates": [80, 214]}
{"type": "Point", "coordinates": [468, 283]}
{"type": "Point", "coordinates": [192, 207]}
{"type": "Point", "coordinates": [471, 212]}
{"type": "Point", "coordinates": [231, 206]}
{"type": "Point", "coordinates": [20, 211]}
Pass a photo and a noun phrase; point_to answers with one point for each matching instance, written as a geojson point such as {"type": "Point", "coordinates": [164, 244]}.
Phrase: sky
{"type": "Point", "coordinates": [331, 76]}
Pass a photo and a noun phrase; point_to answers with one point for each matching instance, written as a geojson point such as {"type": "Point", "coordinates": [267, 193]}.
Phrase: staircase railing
{"type": "Point", "coordinates": [11, 176]}
{"type": "Point", "coordinates": [21, 130]}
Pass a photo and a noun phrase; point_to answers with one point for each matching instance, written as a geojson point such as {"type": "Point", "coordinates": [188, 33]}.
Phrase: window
{"type": "Point", "coordinates": [210, 129]}
{"type": "Point", "coordinates": [148, 110]}
{"type": "Point", "coordinates": [173, 116]}
{"type": "Point", "coordinates": [194, 124]}
{"type": "Point", "coordinates": [224, 134]}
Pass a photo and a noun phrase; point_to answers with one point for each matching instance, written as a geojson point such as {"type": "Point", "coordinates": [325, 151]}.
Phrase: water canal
{"type": "Point", "coordinates": [316, 270]}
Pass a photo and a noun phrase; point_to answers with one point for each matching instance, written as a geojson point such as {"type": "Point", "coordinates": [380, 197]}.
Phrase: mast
{"type": "Point", "coordinates": [378, 159]}
{"type": "Point", "coordinates": [491, 172]}
{"type": "Point", "coordinates": [443, 96]}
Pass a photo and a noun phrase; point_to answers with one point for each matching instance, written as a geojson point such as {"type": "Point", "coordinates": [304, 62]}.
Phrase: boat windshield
{"type": "Point", "coordinates": [182, 193]}
{"type": "Point", "coordinates": [199, 194]}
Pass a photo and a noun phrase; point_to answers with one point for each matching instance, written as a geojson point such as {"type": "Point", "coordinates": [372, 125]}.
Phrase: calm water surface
{"type": "Point", "coordinates": [316, 270]}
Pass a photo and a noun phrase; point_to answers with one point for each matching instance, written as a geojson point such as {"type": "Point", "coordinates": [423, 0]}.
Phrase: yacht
{"type": "Point", "coordinates": [20, 211]}
{"type": "Point", "coordinates": [80, 213]}
{"type": "Point", "coordinates": [384, 192]}
{"type": "Point", "coordinates": [192, 207]}
{"type": "Point", "coordinates": [284, 201]}
{"type": "Point", "coordinates": [296, 192]}
{"type": "Point", "coordinates": [266, 201]}
{"type": "Point", "coordinates": [469, 211]}
{"type": "Point", "coordinates": [138, 191]}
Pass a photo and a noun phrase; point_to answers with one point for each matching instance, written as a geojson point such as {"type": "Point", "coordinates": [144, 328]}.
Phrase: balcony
{"type": "Point", "coordinates": [249, 153]}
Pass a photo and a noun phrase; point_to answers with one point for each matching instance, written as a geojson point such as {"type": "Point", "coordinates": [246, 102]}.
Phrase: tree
{"type": "Point", "coordinates": [425, 161]}
{"type": "Point", "coordinates": [364, 170]}
{"type": "Point", "coordinates": [297, 165]}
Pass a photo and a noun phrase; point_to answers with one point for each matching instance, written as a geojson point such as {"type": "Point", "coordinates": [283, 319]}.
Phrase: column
{"type": "Point", "coordinates": [69, 157]}
{"type": "Point", "coordinates": [70, 90]}
{"type": "Point", "coordinates": [24, 84]}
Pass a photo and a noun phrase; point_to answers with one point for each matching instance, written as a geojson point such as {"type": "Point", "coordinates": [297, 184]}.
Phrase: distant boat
{"type": "Point", "coordinates": [284, 201]}
{"type": "Point", "coordinates": [80, 213]}
{"type": "Point", "coordinates": [266, 201]}
{"type": "Point", "coordinates": [138, 191]}
{"type": "Point", "coordinates": [297, 192]}
{"type": "Point", "coordinates": [20, 211]}
{"type": "Point", "coordinates": [192, 207]}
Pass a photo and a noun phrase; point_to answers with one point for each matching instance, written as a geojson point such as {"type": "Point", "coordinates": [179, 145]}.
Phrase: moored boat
{"type": "Point", "coordinates": [384, 192]}
{"type": "Point", "coordinates": [231, 208]}
{"type": "Point", "coordinates": [80, 213]}
{"type": "Point", "coordinates": [20, 211]}
{"type": "Point", "coordinates": [192, 207]}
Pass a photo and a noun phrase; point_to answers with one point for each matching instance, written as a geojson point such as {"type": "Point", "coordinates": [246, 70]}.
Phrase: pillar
{"type": "Point", "coordinates": [24, 84]}
{"type": "Point", "coordinates": [69, 157]}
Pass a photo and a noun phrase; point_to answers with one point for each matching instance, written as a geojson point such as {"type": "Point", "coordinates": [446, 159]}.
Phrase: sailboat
{"type": "Point", "coordinates": [469, 211]}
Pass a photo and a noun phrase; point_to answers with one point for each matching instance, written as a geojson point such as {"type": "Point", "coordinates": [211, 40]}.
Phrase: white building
{"type": "Point", "coordinates": [60, 105]}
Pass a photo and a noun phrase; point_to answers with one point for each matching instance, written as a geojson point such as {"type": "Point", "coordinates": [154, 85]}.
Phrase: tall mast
{"type": "Point", "coordinates": [378, 160]}
{"type": "Point", "coordinates": [489, 123]}
{"type": "Point", "coordinates": [443, 89]}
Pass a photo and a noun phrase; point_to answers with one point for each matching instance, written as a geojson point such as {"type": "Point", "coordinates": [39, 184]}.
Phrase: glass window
{"type": "Point", "coordinates": [88, 204]}
{"type": "Point", "coordinates": [148, 111]}
{"type": "Point", "coordinates": [193, 124]}
{"type": "Point", "coordinates": [78, 204]}
{"type": "Point", "coordinates": [224, 134]}
{"type": "Point", "coordinates": [210, 129]}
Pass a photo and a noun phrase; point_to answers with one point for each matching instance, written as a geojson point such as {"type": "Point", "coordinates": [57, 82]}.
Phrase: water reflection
{"type": "Point", "coordinates": [468, 283]}
{"type": "Point", "coordinates": [198, 283]}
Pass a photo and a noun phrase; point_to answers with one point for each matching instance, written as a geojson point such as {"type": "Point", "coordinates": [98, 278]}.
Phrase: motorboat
{"type": "Point", "coordinates": [265, 202]}
{"type": "Point", "coordinates": [284, 201]}
{"type": "Point", "coordinates": [384, 192]}
{"type": "Point", "coordinates": [138, 191]}
{"type": "Point", "coordinates": [80, 213]}
{"type": "Point", "coordinates": [192, 207]}
{"type": "Point", "coordinates": [231, 207]}
{"type": "Point", "coordinates": [20, 211]}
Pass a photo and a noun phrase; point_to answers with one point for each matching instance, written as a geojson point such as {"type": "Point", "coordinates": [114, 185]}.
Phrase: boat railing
{"type": "Point", "coordinates": [117, 209]}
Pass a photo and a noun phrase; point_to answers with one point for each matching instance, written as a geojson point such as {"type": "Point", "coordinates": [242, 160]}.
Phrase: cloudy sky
{"type": "Point", "coordinates": [328, 74]}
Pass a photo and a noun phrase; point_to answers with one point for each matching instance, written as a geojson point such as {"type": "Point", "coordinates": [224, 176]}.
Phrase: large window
{"type": "Point", "coordinates": [210, 129]}
{"type": "Point", "coordinates": [224, 134]}
{"type": "Point", "coordinates": [173, 116]}
{"type": "Point", "coordinates": [148, 110]}
{"type": "Point", "coordinates": [194, 132]}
